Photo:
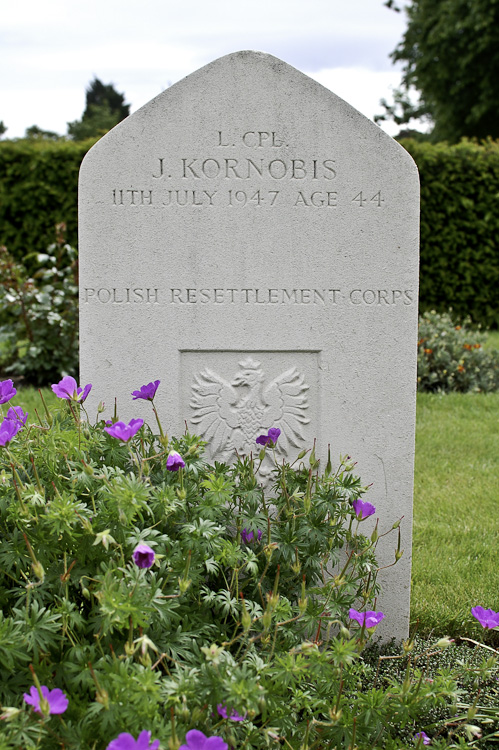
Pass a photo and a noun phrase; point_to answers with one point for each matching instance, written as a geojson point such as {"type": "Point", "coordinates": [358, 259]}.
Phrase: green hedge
{"type": "Point", "coordinates": [459, 228]}
{"type": "Point", "coordinates": [38, 189]}
{"type": "Point", "coordinates": [459, 214]}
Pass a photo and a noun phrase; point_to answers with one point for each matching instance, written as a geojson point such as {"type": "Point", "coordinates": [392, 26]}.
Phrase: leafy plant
{"type": "Point", "coordinates": [144, 590]}
{"type": "Point", "coordinates": [39, 314]}
{"type": "Point", "coordinates": [452, 358]}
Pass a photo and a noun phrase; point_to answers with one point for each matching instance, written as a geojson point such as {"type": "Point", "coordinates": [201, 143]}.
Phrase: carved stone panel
{"type": "Point", "coordinates": [230, 398]}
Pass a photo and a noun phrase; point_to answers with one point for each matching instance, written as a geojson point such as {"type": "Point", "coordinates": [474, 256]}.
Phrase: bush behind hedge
{"type": "Point", "coordinates": [459, 214]}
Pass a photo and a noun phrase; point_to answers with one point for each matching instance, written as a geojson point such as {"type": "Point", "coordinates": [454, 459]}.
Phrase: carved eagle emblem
{"type": "Point", "coordinates": [231, 415]}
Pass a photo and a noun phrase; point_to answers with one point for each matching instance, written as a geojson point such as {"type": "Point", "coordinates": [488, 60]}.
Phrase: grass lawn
{"type": "Point", "coordinates": [456, 509]}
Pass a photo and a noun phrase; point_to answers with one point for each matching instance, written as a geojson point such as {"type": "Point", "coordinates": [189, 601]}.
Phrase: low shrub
{"type": "Point", "coordinates": [39, 314]}
{"type": "Point", "coordinates": [452, 358]}
{"type": "Point", "coordinates": [144, 590]}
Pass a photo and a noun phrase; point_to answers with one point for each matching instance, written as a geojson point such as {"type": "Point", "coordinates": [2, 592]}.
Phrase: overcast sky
{"type": "Point", "coordinates": [51, 49]}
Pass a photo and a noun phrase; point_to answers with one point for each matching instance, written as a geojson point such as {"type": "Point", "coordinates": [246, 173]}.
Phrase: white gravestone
{"type": "Point", "coordinates": [251, 240]}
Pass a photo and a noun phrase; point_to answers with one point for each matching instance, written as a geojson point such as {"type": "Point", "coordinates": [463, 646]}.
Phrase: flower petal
{"type": "Point", "coordinates": [195, 739]}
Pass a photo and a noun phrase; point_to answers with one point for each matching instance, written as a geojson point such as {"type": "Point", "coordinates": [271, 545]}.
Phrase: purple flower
{"type": "Point", "coordinates": [126, 741]}
{"type": "Point", "coordinates": [247, 536]}
{"type": "Point", "coordinates": [9, 429]}
{"type": "Point", "coordinates": [486, 617]}
{"type": "Point", "coordinates": [7, 391]}
{"type": "Point", "coordinates": [123, 431]}
{"type": "Point", "coordinates": [57, 701]}
{"type": "Point", "coordinates": [16, 414]}
{"type": "Point", "coordinates": [363, 509]}
{"type": "Point", "coordinates": [426, 739]}
{"type": "Point", "coordinates": [370, 619]}
{"type": "Point", "coordinates": [174, 462]}
{"type": "Point", "coordinates": [196, 740]}
{"type": "Point", "coordinates": [270, 437]}
{"type": "Point", "coordinates": [233, 715]}
{"type": "Point", "coordinates": [68, 389]}
{"type": "Point", "coordinates": [143, 556]}
{"type": "Point", "coordinates": [147, 392]}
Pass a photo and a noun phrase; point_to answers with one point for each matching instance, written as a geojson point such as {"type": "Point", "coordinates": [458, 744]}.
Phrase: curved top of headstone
{"type": "Point", "coordinates": [249, 82]}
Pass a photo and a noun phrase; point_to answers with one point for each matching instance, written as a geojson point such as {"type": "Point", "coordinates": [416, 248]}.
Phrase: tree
{"type": "Point", "coordinates": [105, 108]}
{"type": "Point", "coordinates": [3, 128]}
{"type": "Point", "coordinates": [450, 53]}
{"type": "Point", "coordinates": [36, 133]}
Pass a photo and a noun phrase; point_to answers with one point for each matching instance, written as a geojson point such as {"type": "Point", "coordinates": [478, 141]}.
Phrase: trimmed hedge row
{"type": "Point", "coordinates": [38, 189]}
{"type": "Point", "coordinates": [459, 228]}
{"type": "Point", "coordinates": [459, 214]}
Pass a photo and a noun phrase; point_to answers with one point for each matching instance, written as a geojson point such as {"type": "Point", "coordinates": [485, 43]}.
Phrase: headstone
{"type": "Point", "coordinates": [251, 240]}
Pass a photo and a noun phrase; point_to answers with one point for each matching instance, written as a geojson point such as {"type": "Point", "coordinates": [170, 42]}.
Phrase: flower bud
{"type": "Point", "coordinates": [104, 538]}
{"type": "Point", "coordinates": [261, 455]}
{"type": "Point", "coordinates": [472, 731]}
{"type": "Point", "coordinates": [86, 524]}
{"type": "Point", "coordinates": [408, 645]}
{"type": "Point", "coordinates": [398, 554]}
{"type": "Point", "coordinates": [102, 696]}
{"type": "Point", "coordinates": [101, 407]}
{"type": "Point", "coordinates": [345, 633]}
{"type": "Point", "coordinates": [181, 493]}
{"type": "Point", "coordinates": [302, 454]}
{"type": "Point", "coordinates": [86, 593]}
{"type": "Point", "coordinates": [212, 652]}
{"type": "Point", "coordinates": [245, 617]}
{"type": "Point", "coordinates": [445, 642]}
{"type": "Point", "coordinates": [267, 619]}
{"type": "Point", "coordinates": [329, 466]}
{"type": "Point", "coordinates": [312, 458]}
{"type": "Point", "coordinates": [335, 714]}
{"type": "Point", "coordinates": [302, 605]}
{"type": "Point", "coordinates": [38, 571]}
{"type": "Point", "coordinates": [88, 470]}
{"type": "Point", "coordinates": [8, 713]}
{"type": "Point", "coordinates": [269, 549]}
{"type": "Point", "coordinates": [183, 584]}
{"type": "Point", "coordinates": [273, 600]}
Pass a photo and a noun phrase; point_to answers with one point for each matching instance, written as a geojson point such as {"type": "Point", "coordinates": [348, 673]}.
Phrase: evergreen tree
{"type": "Point", "coordinates": [105, 108]}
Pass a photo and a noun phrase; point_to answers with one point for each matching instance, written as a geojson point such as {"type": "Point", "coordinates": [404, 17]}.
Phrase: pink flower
{"type": "Point", "coordinates": [143, 556]}
{"type": "Point", "coordinates": [68, 389]}
{"type": "Point", "coordinates": [124, 432]}
{"type": "Point", "coordinates": [363, 509]}
{"type": "Point", "coordinates": [423, 736]}
{"type": "Point", "coordinates": [7, 391]}
{"type": "Point", "coordinates": [270, 437]}
{"type": "Point", "coordinates": [147, 392]}
{"type": "Point", "coordinates": [370, 619]}
{"type": "Point", "coordinates": [486, 617]}
{"type": "Point", "coordinates": [233, 715]}
{"type": "Point", "coordinates": [9, 429]}
{"type": "Point", "coordinates": [196, 740]}
{"type": "Point", "coordinates": [248, 536]}
{"type": "Point", "coordinates": [174, 462]}
{"type": "Point", "coordinates": [57, 701]}
{"type": "Point", "coordinates": [126, 741]}
{"type": "Point", "coordinates": [16, 414]}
